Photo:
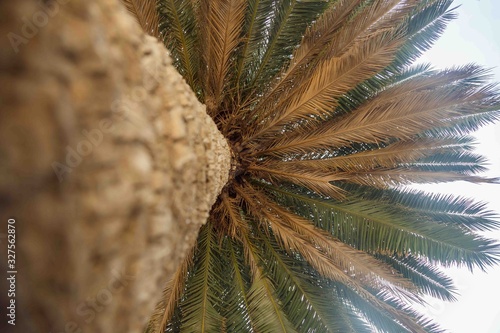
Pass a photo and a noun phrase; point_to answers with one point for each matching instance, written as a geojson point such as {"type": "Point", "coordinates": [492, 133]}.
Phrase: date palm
{"type": "Point", "coordinates": [328, 120]}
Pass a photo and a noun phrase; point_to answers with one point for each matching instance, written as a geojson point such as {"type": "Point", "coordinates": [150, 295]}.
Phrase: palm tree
{"type": "Point", "coordinates": [328, 120]}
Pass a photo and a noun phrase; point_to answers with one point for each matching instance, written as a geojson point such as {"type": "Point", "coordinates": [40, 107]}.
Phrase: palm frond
{"type": "Point", "coordinates": [402, 117]}
{"type": "Point", "coordinates": [230, 209]}
{"type": "Point", "coordinates": [257, 20]}
{"type": "Point", "coordinates": [198, 305]}
{"type": "Point", "coordinates": [382, 320]}
{"type": "Point", "coordinates": [172, 293]}
{"type": "Point", "coordinates": [369, 226]}
{"type": "Point", "coordinates": [466, 124]}
{"type": "Point", "coordinates": [144, 11]}
{"type": "Point", "coordinates": [316, 38]}
{"type": "Point", "coordinates": [429, 278]}
{"type": "Point", "coordinates": [320, 182]}
{"type": "Point", "coordinates": [179, 30]}
{"type": "Point", "coordinates": [324, 40]}
{"type": "Point", "coordinates": [263, 303]}
{"type": "Point", "coordinates": [332, 78]}
{"type": "Point", "coordinates": [439, 208]}
{"type": "Point", "coordinates": [386, 178]}
{"type": "Point", "coordinates": [224, 22]}
{"type": "Point", "coordinates": [236, 309]}
{"type": "Point", "coordinates": [288, 20]}
{"type": "Point", "coordinates": [356, 264]}
{"type": "Point", "coordinates": [392, 155]}
{"type": "Point", "coordinates": [421, 29]}
{"type": "Point", "coordinates": [366, 21]}
{"type": "Point", "coordinates": [291, 241]}
{"type": "Point", "coordinates": [458, 162]}
{"type": "Point", "coordinates": [288, 239]}
{"type": "Point", "coordinates": [303, 295]}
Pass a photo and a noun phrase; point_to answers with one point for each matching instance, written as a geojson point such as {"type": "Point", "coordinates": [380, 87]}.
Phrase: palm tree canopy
{"type": "Point", "coordinates": [328, 120]}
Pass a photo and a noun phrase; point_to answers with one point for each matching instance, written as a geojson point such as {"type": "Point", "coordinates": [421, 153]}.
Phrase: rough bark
{"type": "Point", "coordinates": [109, 165]}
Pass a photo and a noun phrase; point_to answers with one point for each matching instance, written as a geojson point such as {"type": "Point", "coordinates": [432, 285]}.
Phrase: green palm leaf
{"type": "Point", "coordinates": [203, 289]}
{"type": "Point", "coordinates": [256, 22]}
{"type": "Point", "coordinates": [304, 296]}
{"type": "Point", "coordinates": [239, 319]}
{"type": "Point", "coordinates": [264, 305]}
{"type": "Point", "coordinates": [288, 19]}
{"type": "Point", "coordinates": [428, 277]}
{"type": "Point", "coordinates": [422, 28]}
{"type": "Point", "coordinates": [179, 29]}
{"type": "Point", "coordinates": [440, 208]}
{"type": "Point", "coordinates": [372, 227]}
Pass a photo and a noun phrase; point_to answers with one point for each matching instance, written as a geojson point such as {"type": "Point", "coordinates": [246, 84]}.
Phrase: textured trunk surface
{"type": "Point", "coordinates": [109, 166]}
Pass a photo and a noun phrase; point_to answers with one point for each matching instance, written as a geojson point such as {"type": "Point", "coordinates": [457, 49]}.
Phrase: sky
{"type": "Point", "coordinates": [473, 37]}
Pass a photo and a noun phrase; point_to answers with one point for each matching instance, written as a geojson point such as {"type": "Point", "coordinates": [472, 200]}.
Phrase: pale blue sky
{"type": "Point", "coordinates": [473, 37]}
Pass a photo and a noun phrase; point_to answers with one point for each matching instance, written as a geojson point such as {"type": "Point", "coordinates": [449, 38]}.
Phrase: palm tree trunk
{"type": "Point", "coordinates": [109, 165]}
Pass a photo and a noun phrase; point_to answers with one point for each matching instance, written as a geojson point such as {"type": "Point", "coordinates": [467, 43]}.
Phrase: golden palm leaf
{"type": "Point", "coordinates": [171, 295]}
{"type": "Point", "coordinates": [332, 78]}
{"type": "Point", "coordinates": [400, 117]}
{"type": "Point", "coordinates": [224, 22]}
{"type": "Point", "coordinates": [144, 11]}
{"type": "Point", "coordinates": [389, 156]}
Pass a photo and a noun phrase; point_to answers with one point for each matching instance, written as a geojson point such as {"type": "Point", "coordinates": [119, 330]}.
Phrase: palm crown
{"type": "Point", "coordinates": [327, 120]}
